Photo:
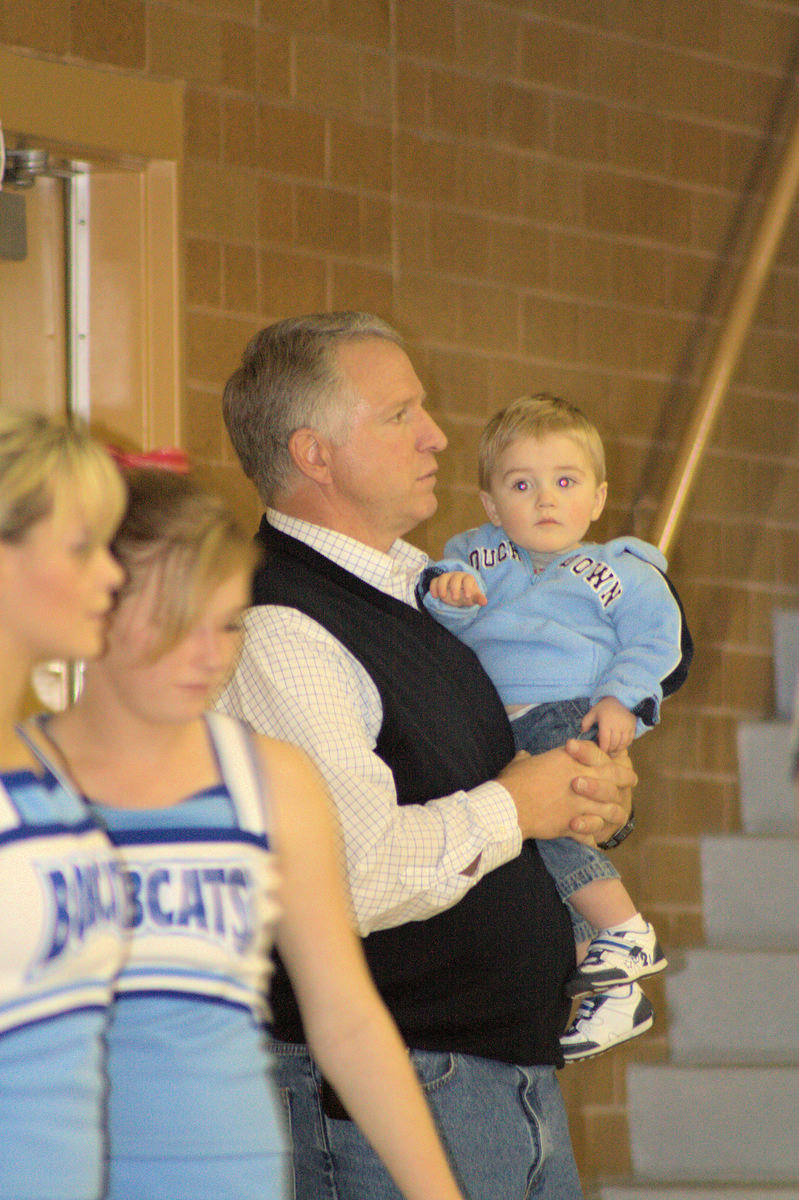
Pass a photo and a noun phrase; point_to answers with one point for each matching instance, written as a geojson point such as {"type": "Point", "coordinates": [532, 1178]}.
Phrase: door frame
{"type": "Point", "coordinates": [104, 115]}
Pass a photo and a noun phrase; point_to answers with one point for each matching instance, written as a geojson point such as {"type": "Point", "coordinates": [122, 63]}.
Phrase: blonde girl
{"type": "Point", "coordinates": [228, 846]}
{"type": "Point", "coordinates": [61, 903]}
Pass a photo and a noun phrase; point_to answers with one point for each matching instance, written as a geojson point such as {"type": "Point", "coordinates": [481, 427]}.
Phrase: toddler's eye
{"type": "Point", "coordinates": [521, 485]}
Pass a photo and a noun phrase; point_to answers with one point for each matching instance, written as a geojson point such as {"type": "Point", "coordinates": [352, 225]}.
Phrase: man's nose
{"type": "Point", "coordinates": [431, 435]}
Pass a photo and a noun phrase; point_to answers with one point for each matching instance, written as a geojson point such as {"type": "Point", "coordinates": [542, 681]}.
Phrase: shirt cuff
{"type": "Point", "coordinates": [493, 810]}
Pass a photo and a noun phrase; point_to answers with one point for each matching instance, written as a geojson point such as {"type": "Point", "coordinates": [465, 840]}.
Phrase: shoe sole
{"type": "Point", "coordinates": [594, 1053]}
{"type": "Point", "coordinates": [579, 988]}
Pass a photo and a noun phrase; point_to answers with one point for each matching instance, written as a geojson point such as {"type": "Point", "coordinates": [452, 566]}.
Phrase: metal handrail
{"type": "Point", "coordinates": [729, 344]}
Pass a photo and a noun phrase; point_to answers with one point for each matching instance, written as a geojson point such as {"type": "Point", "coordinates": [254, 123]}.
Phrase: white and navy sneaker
{"type": "Point", "coordinates": [607, 1020]}
{"type": "Point", "coordinates": [617, 957]}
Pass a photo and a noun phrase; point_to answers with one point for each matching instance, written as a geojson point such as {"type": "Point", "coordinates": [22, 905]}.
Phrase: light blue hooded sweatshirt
{"type": "Point", "coordinates": [602, 620]}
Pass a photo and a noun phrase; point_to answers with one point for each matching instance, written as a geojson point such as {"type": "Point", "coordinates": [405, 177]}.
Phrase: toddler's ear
{"type": "Point", "coordinates": [599, 501]}
{"type": "Point", "coordinates": [490, 507]}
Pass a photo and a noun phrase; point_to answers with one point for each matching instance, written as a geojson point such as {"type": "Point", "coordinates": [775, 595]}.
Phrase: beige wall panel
{"type": "Point", "coordinates": [117, 289]}
{"type": "Point", "coordinates": [32, 343]}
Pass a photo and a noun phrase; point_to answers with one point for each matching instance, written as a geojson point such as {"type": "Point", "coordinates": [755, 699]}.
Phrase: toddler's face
{"type": "Point", "coordinates": [544, 493]}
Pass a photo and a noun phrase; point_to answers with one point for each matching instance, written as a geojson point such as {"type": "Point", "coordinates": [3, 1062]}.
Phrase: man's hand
{"type": "Point", "coordinates": [458, 588]}
{"type": "Point", "coordinates": [575, 791]}
{"type": "Point", "coordinates": [610, 781]}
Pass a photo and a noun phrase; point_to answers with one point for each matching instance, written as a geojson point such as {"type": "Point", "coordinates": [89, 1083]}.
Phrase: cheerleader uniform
{"type": "Point", "coordinates": [62, 901]}
{"type": "Point", "coordinates": [193, 1114]}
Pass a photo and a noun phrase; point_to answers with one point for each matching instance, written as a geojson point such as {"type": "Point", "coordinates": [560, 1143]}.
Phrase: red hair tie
{"type": "Point", "coordinates": [168, 459]}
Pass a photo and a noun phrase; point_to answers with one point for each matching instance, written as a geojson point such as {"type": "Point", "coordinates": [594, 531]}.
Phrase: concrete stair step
{"type": "Point", "coordinates": [719, 1120]}
{"type": "Point", "coordinates": [733, 1006]}
{"type": "Point", "coordinates": [750, 897]}
{"type": "Point", "coordinates": [768, 803]}
{"type": "Point", "coordinates": [785, 633]}
{"type": "Point", "coordinates": [714, 1124]}
{"type": "Point", "coordinates": [649, 1191]}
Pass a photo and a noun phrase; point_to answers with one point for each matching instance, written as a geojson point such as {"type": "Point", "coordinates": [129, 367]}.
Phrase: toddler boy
{"type": "Point", "coordinates": [580, 640]}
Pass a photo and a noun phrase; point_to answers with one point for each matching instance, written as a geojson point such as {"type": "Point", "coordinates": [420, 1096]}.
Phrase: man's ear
{"type": "Point", "coordinates": [310, 454]}
{"type": "Point", "coordinates": [491, 508]}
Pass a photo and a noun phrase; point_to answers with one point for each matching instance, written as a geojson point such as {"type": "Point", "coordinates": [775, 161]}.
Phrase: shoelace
{"type": "Point", "coordinates": [588, 1007]}
{"type": "Point", "coordinates": [614, 944]}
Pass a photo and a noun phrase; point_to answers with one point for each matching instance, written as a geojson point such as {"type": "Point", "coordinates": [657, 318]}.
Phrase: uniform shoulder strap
{"type": "Point", "coordinates": [240, 770]}
{"type": "Point", "coordinates": [37, 737]}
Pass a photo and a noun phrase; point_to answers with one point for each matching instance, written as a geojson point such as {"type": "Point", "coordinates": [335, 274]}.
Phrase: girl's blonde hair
{"type": "Point", "coordinates": [182, 541]}
{"type": "Point", "coordinates": [536, 416]}
{"type": "Point", "coordinates": [46, 465]}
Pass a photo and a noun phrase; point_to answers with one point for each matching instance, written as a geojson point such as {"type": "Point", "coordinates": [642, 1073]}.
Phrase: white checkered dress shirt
{"type": "Point", "coordinates": [297, 682]}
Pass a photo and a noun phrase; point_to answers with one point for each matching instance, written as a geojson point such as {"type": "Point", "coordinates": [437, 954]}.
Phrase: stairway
{"type": "Point", "coordinates": [720, 1119]}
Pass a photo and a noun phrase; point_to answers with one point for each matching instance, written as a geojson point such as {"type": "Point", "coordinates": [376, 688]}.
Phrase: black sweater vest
{"type": "Point", "coordinates": [486, 976]}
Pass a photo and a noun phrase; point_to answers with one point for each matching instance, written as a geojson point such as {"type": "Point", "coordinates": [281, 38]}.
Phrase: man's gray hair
{"type": "Point", "coordinates": [290, 379]}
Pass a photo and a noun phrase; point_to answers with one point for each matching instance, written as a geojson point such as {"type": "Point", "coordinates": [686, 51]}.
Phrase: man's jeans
{"type": "Point", "coordinates": [504, 1127]}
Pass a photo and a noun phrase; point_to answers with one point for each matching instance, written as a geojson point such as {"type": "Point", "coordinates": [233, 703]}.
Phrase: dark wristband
{"type": "Point", "coordinates": [619, 836]}
{"type": "Point", "coordinates": [423, 582]}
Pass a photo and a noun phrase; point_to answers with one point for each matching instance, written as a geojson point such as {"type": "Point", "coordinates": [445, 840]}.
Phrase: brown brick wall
{"type": "Point", "coordinates": [542, 195]}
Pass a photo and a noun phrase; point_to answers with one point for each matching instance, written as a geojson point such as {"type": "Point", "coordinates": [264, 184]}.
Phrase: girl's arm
{"type": "Point", "coordinates": [350, 1032]}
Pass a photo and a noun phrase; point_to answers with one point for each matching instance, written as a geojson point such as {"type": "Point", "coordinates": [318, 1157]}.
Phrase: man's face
{"type": "Point", "coordinates": [384, 473]}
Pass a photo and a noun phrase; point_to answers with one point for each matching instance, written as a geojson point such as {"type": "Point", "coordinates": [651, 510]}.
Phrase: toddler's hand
{"type": "Point", "coordinates": [616, 724]}
{"type": "Point", "coordinates": [458, 588]}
